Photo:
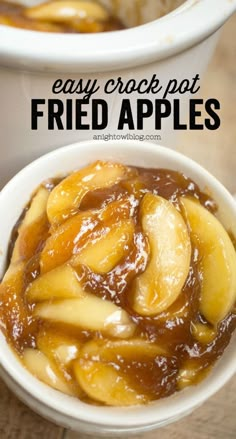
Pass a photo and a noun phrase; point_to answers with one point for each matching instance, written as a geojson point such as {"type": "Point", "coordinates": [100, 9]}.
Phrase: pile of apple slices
{"type": "Point", "coordinates": [99, 240]}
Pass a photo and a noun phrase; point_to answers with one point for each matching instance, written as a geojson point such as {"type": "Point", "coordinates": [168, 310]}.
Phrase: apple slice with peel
{"type": "Point", "coordinates": [89, 312]}
{"type": "Point", "coordinates": [67, 195]}
{"type": "Point", "coordinates": [60, 283]}
{"type": "Point", "coordinates": [160, 285]}
{"type": "Point", "coordinates": [217, 261]}
{"type": "Point", "coordinates": [42, 368]}
{"type": "Point", "coordinates": [103, 254]}
{"type": "Point", "coordinates": [104, 383]}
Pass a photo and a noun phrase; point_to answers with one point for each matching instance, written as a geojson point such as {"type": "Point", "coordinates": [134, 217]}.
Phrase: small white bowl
{"type": "Point", "coordinates": [60, 408]}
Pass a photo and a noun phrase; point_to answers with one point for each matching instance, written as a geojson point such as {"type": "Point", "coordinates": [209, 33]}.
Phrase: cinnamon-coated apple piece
{"type": "Point", "coordinates": [66, 197]}
{"type": "Point", "coordinates": [170, 252]}
{"type": "Point", "coordinates": [88, 312]}
{"type": "Point", "coordinates": [217, 261]}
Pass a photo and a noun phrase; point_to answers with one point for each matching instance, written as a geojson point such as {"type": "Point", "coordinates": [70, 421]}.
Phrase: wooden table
{"type": "Point", "coordinates": [216, 151]}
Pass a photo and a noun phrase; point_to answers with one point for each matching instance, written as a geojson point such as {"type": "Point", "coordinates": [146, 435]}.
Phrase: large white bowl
{"type": "Point", "coordinates": [68, 411]}
{"type": "Point", "coordinates": [178, 45]}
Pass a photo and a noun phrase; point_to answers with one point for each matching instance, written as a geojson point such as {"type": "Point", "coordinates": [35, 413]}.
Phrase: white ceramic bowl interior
{"type": "Point", "coordinates": [56, 406]}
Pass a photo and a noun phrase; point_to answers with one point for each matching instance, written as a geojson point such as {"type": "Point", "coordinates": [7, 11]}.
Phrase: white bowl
{"type": "Point", "coordinates": [179, 45]}
{"type": "Point", "coordinates": [60, 408]}
{"type": "Point", "coordinates": [184, 27]}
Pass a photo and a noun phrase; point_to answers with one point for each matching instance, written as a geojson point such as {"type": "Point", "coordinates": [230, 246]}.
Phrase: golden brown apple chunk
{"type": "Point", "coordinates": [217, 260]}
{"type": "Point", "coordinates": [160, 285]}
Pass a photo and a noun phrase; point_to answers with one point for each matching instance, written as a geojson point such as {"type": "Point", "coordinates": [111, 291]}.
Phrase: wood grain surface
{"type": "Point", "coordinates": [216, 151]}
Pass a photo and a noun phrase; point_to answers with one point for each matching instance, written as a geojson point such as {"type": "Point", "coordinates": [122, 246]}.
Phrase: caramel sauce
{"type": "Point", "coordinates": [153, 377]}
{"type": "Point", "coordinates": [12, 14]}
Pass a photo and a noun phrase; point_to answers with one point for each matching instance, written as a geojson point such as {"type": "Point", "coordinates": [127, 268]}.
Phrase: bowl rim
{"type": "Point", "coordinates": [175, 32]}
{"type": "Point", "coordinates": [73, 409]}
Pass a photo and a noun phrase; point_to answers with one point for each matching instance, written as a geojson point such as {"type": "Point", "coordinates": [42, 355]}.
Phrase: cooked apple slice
{"type": "Point", "coordinates": [118, 210]}
{"type": "Point", "coordinates": [103, 254]}
{"type": "Point", "coordinates": [91, 313]}
{"type": "Point", "coordinates": [14, 271]}
{"type": "Point", "coordinates": [135, 186]}
{"type": "Point", "coordinates": [203, 333]}
{"type": "Point", "coordinates": [60, 283]}
{"type": "Point", "coordinates": [60, 348]}
{"type": "Point", "coordinates": [94, 370]}
{"type": "Point", "coordinates": [72, 235]}
{"type": "Point", "coordinates": [67, 195]}
{"type": "Point", "coordinates": [191, 373]}
{"type": "Point", "coordinates": [67, 11]}
{"type": "Point", "coordinates": [65, 353]}
{"type": "Point", "coordinates": [160, 285]}
{"type": "Point", "coordinates": [14, 317]}
{"type": "Point", "coordinates": [37, 207]}
{"type": "Point", "coordinates": [217, 261]}
{"type": "Point", "coordinates": [109, 351]}
{"type": "Point", "coordinates": [41, 367]}
{"type": "Point", "coordinates": [104, 383]}
{"type": "Point", "coordinates": [60, 245]}
{"type": "Point", "coordinates": [36, 210]}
